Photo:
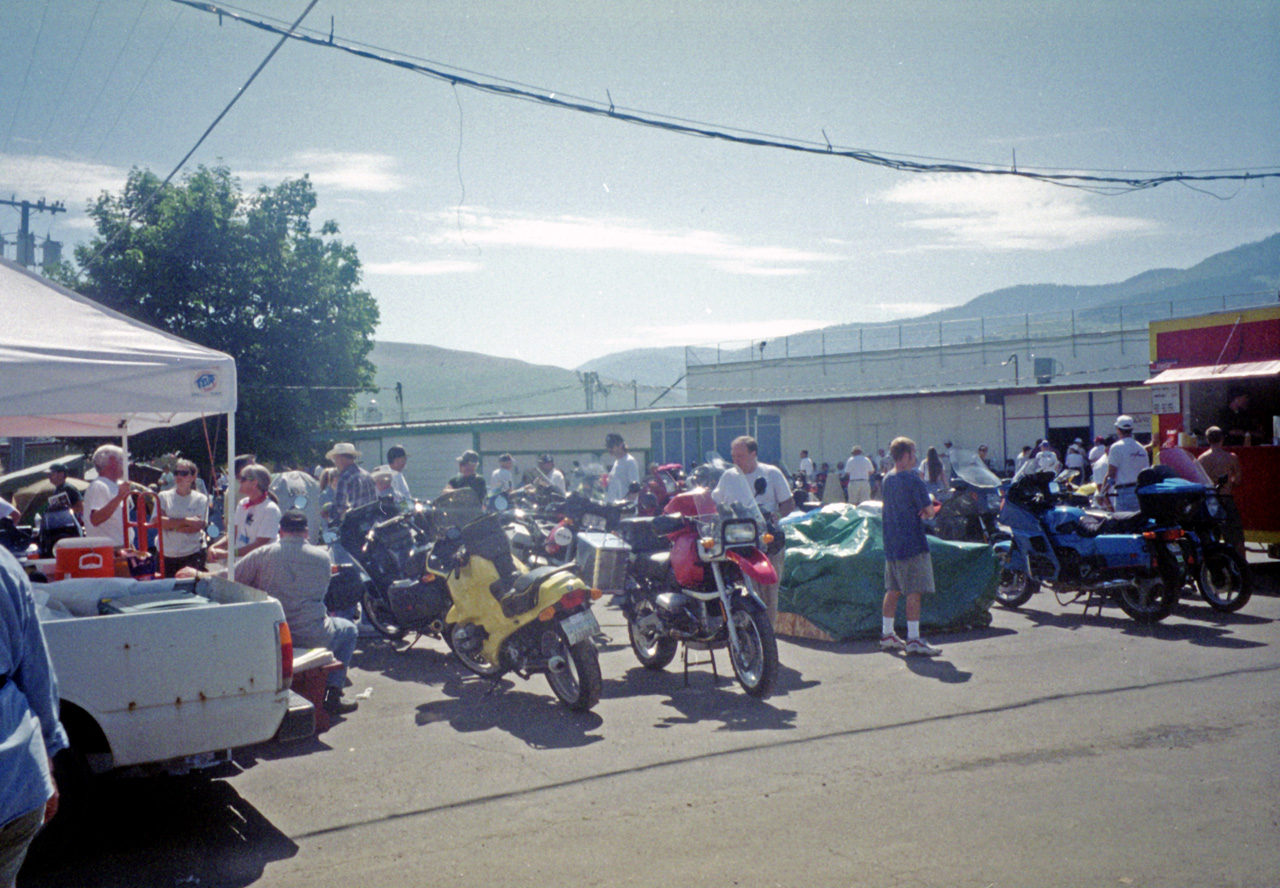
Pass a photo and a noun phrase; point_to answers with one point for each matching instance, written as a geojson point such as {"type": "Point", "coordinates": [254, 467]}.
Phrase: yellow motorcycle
{"type": "Point", "coordinates": [506, 618]}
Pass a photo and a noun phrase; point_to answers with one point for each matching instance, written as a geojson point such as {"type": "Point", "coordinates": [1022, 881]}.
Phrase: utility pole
{"type": "Point", "coordinates": [26, 240]}
{"type": "Point", "coordinates": [26, 257]}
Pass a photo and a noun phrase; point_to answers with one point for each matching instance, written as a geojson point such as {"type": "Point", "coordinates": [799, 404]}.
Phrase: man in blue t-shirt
{"type": "Point", "coordinates": [907, 567]}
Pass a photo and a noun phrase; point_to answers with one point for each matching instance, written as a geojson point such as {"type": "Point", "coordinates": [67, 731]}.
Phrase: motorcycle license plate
{"type": "Point", "coordinates": [580, 626]}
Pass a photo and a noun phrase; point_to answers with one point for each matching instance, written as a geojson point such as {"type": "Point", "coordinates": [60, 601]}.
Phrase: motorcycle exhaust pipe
{"type": "Point", "coordinates": [557, 664]}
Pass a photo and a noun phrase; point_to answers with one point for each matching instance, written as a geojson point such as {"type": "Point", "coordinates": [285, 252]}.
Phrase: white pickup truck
{"type": "Point", "coordinates": [169, 675]}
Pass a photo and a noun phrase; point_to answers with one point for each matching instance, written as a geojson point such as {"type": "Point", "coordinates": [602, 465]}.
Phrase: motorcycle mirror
{"type": "Point", "coordinates": [300, 501]}
{"type": "Point", "coordinates": [214, 531]}
{"type": "Point", "coordinates": [453, 534]}
{"type": "Point", "coordinates": [1053, 487]}
{"type": "Point", "coordinates": [501, 503]}
{"type": "Point", "coordinates": [761, 486]}
{"type": "Point", "coordinates": [329, 536]}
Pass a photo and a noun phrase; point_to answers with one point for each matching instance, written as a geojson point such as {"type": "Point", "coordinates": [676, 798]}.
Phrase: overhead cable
{"type": "Point", "coordinates": [167, 179]}
{"type": "Point", "coordinates": [902, 163]}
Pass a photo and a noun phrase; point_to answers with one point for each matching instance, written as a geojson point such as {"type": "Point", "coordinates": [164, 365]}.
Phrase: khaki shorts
{"type": "Point", "coordinates": [910, 575]}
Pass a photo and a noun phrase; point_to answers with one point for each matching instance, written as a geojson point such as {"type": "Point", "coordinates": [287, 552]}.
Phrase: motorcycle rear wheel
{"type": "Point", "coordinates": [578, 686]}
{"type": "Point", "coordinates": [655, 653]}
{"type": "Point", "coordinates": [1152, 603]}
{"type": "Point", "coordinates": [755, 663]}
{"type": "Point", "coordinates": [1224, 578]}
{"type": "Point", "coordinates": [379, 615]}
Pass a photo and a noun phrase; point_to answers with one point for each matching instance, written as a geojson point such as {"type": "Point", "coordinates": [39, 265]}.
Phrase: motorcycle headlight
{"type": "Point", "coordinates": [737, 533]}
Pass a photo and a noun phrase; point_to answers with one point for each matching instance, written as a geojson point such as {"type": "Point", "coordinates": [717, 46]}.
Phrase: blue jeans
{"type": "Point", "coordinates": [1127, 499]}
{"type": "Point", "coordinates": [342, 641]}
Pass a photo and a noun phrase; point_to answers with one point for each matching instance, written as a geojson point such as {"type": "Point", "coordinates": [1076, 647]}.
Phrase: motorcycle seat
{"type": "Point", "coordinates": [1100, 523]}
{"type": "Point", "coordinates": [522, 596]}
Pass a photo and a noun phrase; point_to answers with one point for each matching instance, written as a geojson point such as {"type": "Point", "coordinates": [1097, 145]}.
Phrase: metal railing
{"type": "Point", "coordinates": [1000, 329]}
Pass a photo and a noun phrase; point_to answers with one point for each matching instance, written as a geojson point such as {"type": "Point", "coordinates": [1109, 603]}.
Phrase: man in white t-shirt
{"type": "Point", "coordinates": [396, 460]}
{"type": "Point", "coordinates": [503, 478]}
{"type": "Point", "coordinates": [548, 475]}
{"type": "Point", "coordinates": [1099, 450]}
{"type": "Point", "coordinates": [1076, 459]}
{"type": "Point", "coordinates": [859, 469]}
{"type": "Point", "coordinates": [806, 465]}
{"type": "Point", "coordinates": [185, 512]}
{"type": "Point", "coordinates": [740, 482]}
{"type": "Point", "coordinates": [104, 501]}
{"type": "Point", "coordinates": [257, 518]}
{"type": "Point", "coordinates": [1125, 460]}
{"type": "Point", "coordinates": [625, 471]}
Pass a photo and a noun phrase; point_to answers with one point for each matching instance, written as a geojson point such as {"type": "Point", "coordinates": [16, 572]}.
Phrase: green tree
{"type": "Point", "coordinates": [246, 275]}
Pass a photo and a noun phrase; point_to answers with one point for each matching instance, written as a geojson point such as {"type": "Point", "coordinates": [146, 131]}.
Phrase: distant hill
{"type": "Point", "coordinates": [648, 366]}
{"type": "Point", "coordinates": [1246, 269]}
{"type": "Point", "coordinates": [442, 383]}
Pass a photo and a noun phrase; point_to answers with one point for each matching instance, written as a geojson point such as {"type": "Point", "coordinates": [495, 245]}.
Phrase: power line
{"type": "Point", "coordinates": [903, 163]}
{"type": "Point", "coordinates": [240, 92]}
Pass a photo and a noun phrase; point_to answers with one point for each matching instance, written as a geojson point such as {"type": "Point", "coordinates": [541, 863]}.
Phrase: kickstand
{"type": "Point", "coordinates": [416, 638]}
{"type": "Point", "coordinates": [711, 658]}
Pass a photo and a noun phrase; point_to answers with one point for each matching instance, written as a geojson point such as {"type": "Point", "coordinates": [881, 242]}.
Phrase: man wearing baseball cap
{"type": "Point", "coordinates": [467, 479]}
{"type": "Point", "coordinates": [296, 574]}
{"type": "Point", "coordinates": [1125, 460]}
{"type": "Point", "coordinates": [548, 474]}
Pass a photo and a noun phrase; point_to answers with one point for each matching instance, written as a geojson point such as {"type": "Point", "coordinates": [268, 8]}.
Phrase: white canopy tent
{"type": "Point", "coordinates": [71, 368]}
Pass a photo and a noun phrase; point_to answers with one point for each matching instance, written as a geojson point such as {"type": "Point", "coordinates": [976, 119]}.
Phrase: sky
{"type": "Point", "coordinates": [509, 227]}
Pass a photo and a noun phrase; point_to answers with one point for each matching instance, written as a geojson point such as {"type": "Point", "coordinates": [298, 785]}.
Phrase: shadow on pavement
{"type": "Point", "coordinates": [709, 698]}
{"type": "Point", "coordinates": [535, 715]}
{"type": "Point", "coordinates": [129, 832]}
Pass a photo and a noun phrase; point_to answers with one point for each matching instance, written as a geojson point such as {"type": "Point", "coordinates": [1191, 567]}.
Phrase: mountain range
{"type": "Point", "coordinates": [439, 383]}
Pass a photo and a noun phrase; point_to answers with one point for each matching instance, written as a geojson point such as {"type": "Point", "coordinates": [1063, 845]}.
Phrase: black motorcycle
{"type": "Point", "coordinates": [1219, 572]}
{"type": "Point", "coordinates": [969, 509]}
{"type": "Point", "coordinates": [381, 554]}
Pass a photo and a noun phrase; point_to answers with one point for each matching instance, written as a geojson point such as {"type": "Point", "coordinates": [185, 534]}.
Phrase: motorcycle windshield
{"type": "Point", "coordinates": [968, 466]}
{"type": "Point", "coordinates": [589, 483]}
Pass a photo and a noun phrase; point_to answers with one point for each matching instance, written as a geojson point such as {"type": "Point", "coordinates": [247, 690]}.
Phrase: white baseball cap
{"type": "Point", "coordinates": [1124, 421]}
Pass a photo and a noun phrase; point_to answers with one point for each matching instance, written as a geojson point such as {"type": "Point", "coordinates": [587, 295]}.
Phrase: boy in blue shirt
{"type": "Point", "coordinates": [907, 567]}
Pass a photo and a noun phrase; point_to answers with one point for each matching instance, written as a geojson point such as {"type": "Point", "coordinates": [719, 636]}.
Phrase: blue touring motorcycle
{"type": "Point", "coordinates": [1084, 554]}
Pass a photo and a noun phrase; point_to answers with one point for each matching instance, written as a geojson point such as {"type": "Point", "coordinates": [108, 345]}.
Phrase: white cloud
{"type": "Point", "coordinates": [472, 227]}
{"type": "Point", "coordinates": [333, 170]}
{"type": "Point", "coordinates": [1002, 213]}
{"type": "Point", "coordinates": [422, 269]}
{"type": "Point", "coordinates": [73, 182]}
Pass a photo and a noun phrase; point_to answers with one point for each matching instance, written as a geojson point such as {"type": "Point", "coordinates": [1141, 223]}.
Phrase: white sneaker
{"type": "Point", "coordinates": [922, 648]}
{"type": "Point", "coordinates": [892, 642]}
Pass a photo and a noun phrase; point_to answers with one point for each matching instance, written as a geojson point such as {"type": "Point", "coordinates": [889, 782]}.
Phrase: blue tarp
{"type": "Point", "coordinates": [834, 576]}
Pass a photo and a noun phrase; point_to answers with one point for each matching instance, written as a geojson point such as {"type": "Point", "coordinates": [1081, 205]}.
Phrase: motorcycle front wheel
{"type": "Point", "coordinates": [1224, 578]}
{"type": "Point", "coordinates": [653, 653]}
{"type": "Point", "coordinates": [477, 664]}
{"type": "Point", "coordinates": [578, 683]}
{"type": "Point", "coordinates": [377, 611]}
{"type": "Point", "coordinates": [755, 662]}
{"type": "Point", "coordinates": [1015, 588]}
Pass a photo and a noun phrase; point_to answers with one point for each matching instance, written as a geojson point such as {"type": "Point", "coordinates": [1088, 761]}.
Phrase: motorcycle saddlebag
{"type": "Point", "coordinates": [417, 601]}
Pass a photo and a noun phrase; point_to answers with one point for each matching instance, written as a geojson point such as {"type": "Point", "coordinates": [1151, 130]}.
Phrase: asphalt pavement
{"type": "Point", "coordinates": [1052, 748]}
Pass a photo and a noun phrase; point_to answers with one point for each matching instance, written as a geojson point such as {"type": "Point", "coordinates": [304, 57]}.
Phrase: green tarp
{"type": "Point", "coordinates": [834, 576]}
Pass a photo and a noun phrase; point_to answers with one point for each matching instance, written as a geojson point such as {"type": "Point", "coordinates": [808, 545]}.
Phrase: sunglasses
{"type": "Point", "coordinates": [184, 472]}
{"type": "Point", "coordinates": [247, 479]}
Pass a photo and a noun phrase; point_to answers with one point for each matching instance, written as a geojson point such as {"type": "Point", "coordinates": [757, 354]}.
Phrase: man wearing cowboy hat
{"type": "Point", "coordinates": [354, 487]}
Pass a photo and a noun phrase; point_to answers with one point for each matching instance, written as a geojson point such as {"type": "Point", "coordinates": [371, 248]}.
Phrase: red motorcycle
{"type": "Point", "coordinates": [693, 578]}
